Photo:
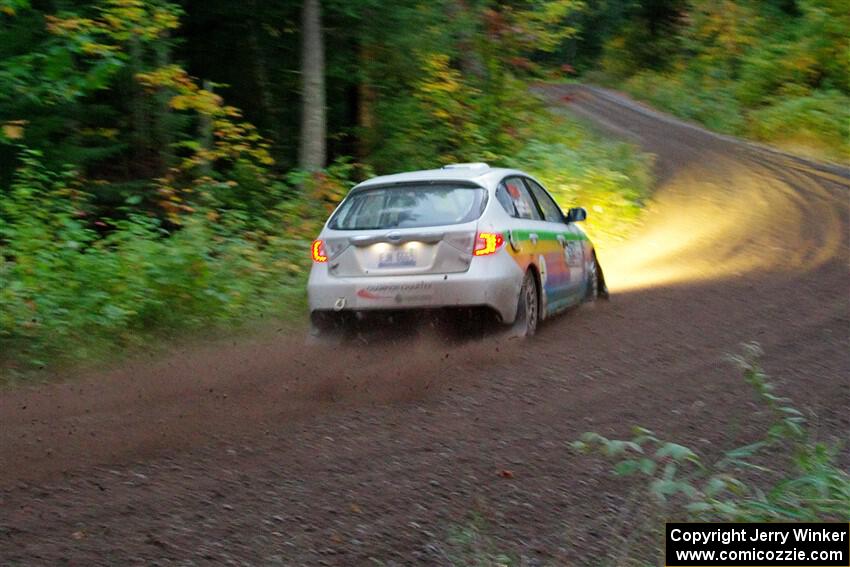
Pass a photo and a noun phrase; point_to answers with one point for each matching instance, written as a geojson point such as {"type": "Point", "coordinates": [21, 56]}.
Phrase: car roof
{"type": "Point", "coordinates": [478, 173]}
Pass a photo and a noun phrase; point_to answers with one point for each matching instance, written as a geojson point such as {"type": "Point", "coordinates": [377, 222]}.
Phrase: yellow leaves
{"type": "Point", "coordinates": [14, 130]}
{"type": "Point", "coordinates": [114, 22]}
{"type": "Point", "coordinates": [125, 18]}
{"type": "Point", "coordinates": [8, 10]}
{"type": "Point", "coordinates": [99, 49]}
{"type": "Point", "coordinates": [804, 63]}
{"type": "Point", "coordinates": [448, 99]}
{"type": "Point", "coordinates": [543, 27]}
{"type": "Point", "coordinates": [126, 4]}
{"type": "Point", "coordinates": [233, 140]}
{"type": "Point", "coordinates": [168, 76]}
{"type": "Point", "coordinates": [726, 26]}
{"type": "Point", "coordinates": [166, 20]}
{"type": "Point", "coordinates": [207, 102]}
{"type": "Point", "coordinates": [440, 87]}
{"type": "Point", "coordinates": [171, 198]}
{"type": "Point", "coordinates": [108, 133]}
{"type": "Point", "coordinates": [189, 96]}
{"type": "Point", "coordinates": [180, 102]}
{"type": "Point", "coordinates": [67, 26]}
{"type": "Point", "coordinates": [118, 22]}
{"type": "Point", "coordinates": [440, 77]}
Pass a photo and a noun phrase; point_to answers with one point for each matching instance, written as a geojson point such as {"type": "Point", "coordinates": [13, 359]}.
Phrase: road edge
{"type": "Point", "coordinates": [640, 107]}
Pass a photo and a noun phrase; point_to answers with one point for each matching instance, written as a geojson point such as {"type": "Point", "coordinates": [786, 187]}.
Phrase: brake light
{"type": "Point", "coordinates": [487, 243]}
{"type": "Point", "coordinates": [318, 251]}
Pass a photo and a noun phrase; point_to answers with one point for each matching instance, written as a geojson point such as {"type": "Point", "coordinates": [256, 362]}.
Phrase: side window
{"type": "Point", "coordinates": [551, 210]}
{"type": "Point", "coordinates": [505, 200]}
{"type": "Point", "coordinates": [516, 199]}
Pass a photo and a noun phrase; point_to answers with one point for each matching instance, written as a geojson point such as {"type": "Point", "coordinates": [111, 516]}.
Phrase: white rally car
{"type": "Point", "coordinates": [464, 236]}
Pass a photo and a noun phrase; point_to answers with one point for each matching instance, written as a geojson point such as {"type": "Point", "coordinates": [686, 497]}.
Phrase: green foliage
{"type": "Point", "coordinates": [610, 179]}
{"type": "Point", "coordinates": [136, 202]}
{"type": "Point", "coordinates": [818, 124]}
{"type": "Point", "coordinates": [692, 97]}
{"type": "Point", "coordinates": [743, 67]}
{"type": "Point", "coordinates": [70, 292]}
{"type": "Point", "coordinates": [786, 476]}
{"type": "Point", "coordinates": [67, 79]}
{"type": "Point", "coordinates": [470, 545]}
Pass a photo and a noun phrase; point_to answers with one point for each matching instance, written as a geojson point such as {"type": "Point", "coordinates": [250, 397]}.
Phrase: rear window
{"type": "Point", "coordinates": [409, 206]}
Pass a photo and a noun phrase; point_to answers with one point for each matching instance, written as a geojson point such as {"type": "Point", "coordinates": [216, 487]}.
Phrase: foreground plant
{"type": "Point", "coordinates": [785, 476]}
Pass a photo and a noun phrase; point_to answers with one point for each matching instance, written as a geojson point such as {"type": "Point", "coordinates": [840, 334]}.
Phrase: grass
{"type": "Point", "coordinates": [470, 545]}
{"type": "Point", "coordinates": [70, 294]}
{"type": "Point", "coordinates": [815, 124]}
{"type": "Point", "coordinates": [786, 476]}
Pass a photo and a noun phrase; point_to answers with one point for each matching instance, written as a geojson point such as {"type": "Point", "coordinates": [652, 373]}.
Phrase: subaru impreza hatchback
{"type": "Point", "coordinates": [464, 236]}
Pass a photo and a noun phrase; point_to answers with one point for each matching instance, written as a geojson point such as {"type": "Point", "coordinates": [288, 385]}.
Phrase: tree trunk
{"type": "Point", "coordinates": [138, 105]}
{"type": "Point", "coordinates": [313, 122]}
{"type": "Point", "coordinates": [261, 73]}
{"type": "Point", "coordinates": [205, 133]}
{"type": "Point", "coordinates": [162, 109]}
{"type": "Point", "coordinates": [470, 61]}
{"type": "Point", "coordinates": [366, 97]}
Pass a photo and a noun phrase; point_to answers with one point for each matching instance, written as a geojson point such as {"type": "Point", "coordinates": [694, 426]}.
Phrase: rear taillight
{"type": "Point", "coordinates": [488, 243]}
{"type": "Point", "coordinates": [318, 251]}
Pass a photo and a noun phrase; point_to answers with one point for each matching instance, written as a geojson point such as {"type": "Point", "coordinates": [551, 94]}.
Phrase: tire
{"type": "Point", "coordinates": [528, 308]}
{"type": "Point", "coordinates": [596, 288]}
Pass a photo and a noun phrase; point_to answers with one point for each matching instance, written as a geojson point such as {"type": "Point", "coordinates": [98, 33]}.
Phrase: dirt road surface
{"type": "Point", "coordinates": [266, 452]}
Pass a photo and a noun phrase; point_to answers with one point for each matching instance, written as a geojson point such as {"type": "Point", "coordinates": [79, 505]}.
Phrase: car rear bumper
{"type": "Point", "coordinates": [492, 281]}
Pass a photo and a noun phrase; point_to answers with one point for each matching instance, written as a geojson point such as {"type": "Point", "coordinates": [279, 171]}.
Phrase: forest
{"type": "Point", "coordinates": [165, 164]}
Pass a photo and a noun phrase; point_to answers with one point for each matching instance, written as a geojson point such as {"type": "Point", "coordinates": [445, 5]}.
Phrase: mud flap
{"type": "Point", "coordinates": [322, 337]}
{"type": "Point", "coordinates": [328, 328]}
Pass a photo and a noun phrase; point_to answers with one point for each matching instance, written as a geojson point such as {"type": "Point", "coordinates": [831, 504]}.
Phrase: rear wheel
{"type": "Point", "coordinates": [596, 288]}
{"type": "Point", "coordinates": [592, 286]}
{"type": "Point", "coordinates": [528, 312]}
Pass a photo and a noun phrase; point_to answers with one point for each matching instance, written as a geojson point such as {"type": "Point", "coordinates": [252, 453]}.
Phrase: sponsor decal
{"type": "Point", "coordinates": [366, 294]}
{"type": "Point", "coordinates": [397, 292]}
{"type": "Point", "coordinates": [572, 252]}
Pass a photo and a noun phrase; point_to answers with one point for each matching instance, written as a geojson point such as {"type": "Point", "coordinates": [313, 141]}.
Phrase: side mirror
{"type": "Point", "coordinates": [576, 214]}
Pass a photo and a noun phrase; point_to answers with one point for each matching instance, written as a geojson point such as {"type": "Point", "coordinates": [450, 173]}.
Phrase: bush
{"type": "Point", "coordinates": [610, 179]}
{"type": "Point", "coordinates": [810, 122]}
{"type": "Point", "coordinates": [470, 544]}
{"type": "Point", "coordinates": [71, 289]}
{"type": "Point", "coordinates": [700, 99]}
{"type": "Point", "coordinates": [817, 124]}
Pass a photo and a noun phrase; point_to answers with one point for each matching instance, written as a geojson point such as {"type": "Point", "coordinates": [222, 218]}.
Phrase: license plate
{"type": "Point", "coordinates": [396, 259]}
